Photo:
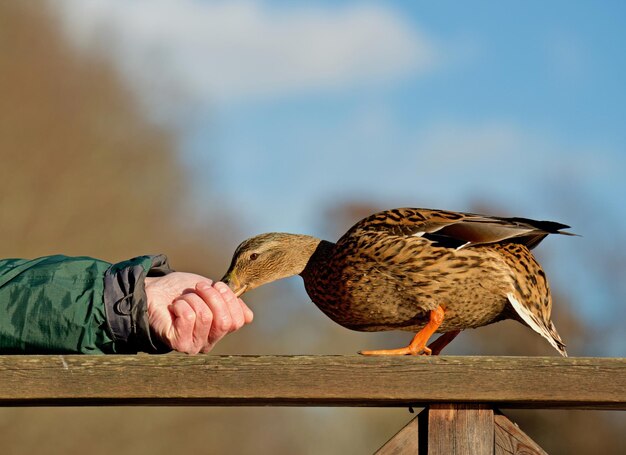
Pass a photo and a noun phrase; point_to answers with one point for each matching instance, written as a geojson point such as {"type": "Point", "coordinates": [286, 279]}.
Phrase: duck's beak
{"type": "Point", "coordinates": [231, 280]}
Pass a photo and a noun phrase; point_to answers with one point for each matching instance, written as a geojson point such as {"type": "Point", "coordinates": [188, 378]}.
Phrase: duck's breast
{"type": "Point", "coordinates": [368, 294]}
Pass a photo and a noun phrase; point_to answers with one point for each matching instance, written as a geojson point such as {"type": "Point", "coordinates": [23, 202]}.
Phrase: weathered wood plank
{"type": "Point", "coordinates": [510, 440]}
{"type": "Point", "coordinates": [460, 429]}
{"type": "Point", "coordinates": [474, 428]}
{"type": "Point", "coordinates": [404, 442]}
{"type": "Point", "coordinates": [506, 382]}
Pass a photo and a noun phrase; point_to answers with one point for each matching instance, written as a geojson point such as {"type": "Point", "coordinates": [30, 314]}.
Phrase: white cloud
{"type": "Point", "coordinates": [240, 50]}
{"type": "Point", "coordinates": [567, 57]}
{"type": "Point", "coordinates": [494, 150]}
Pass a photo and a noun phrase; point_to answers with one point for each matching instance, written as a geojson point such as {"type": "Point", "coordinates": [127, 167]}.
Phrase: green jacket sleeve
{"type": "Point", "coordinates": [60, 304]}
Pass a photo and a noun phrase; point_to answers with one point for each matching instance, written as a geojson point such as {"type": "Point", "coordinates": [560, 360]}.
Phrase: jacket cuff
{"type": "Point", "coordinates": [126, 304]}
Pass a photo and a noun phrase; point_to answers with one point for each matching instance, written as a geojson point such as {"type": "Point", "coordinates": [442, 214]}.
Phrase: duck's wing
{"type": "Point", "coordinates": [457, 229]}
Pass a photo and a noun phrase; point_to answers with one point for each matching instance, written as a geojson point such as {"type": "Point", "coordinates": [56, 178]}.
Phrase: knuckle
{"type": "Point", "coordinates": [206, 317]}
{"type": "Point", "coordinates": [224, 325]}
{"type": "Point", "coordinates": [239, 323]}
{"type": "Point", "coordinates": [224, 291]}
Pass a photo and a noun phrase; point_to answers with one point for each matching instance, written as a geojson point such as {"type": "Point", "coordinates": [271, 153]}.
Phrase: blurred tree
{"type": "Point", "coordinates": [84, 172]}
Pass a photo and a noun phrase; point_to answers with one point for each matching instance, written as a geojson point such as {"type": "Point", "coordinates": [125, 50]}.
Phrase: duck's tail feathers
{"type": "Point", "coordinates": [548, 331]}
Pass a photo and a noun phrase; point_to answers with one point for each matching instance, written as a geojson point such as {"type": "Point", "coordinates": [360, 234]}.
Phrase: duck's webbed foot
{"type": "Point", "coordinates": [418, 345]}
{"type": "Point", "coordinates": [441, 342]}
{"type": "Point", "coordinates": [399, 351]}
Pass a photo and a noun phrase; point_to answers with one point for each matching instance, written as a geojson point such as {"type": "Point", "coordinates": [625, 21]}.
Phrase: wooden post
{"type": "Point", "coordinates": [510, 440]}
{"type": "Point", "coordinates": [406, 441]}
{"type": "Point", "coordinates": [460, 429]}
{"type": "Point", "coordinates": [446, 429]}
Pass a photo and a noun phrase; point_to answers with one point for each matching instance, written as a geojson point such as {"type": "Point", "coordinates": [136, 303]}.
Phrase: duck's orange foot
{"type": "Point", "coordinates": [400, 351]}
{"type": "Point", "coordinates": [441, 342]}
{"type": "Point", "coordinates": [418, 345]}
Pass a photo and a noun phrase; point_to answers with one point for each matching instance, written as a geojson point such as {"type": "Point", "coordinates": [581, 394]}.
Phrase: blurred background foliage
{"type": "Point", "coordinates": [85, 171]}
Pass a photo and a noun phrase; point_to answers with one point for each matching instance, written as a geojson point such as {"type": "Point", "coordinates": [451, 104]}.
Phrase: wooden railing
{"type": "Point", "coordinates": [461, 395]}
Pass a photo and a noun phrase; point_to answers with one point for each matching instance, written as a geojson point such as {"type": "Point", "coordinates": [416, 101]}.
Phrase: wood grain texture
{"type": "Point", "coordinates": [460, 429]}
{"type": "Point", "coordinates": [505, 382]}
{"type": "Point", "coordinates": [510, 440]}
{"type": "Point", "coordinates": [403, 442]}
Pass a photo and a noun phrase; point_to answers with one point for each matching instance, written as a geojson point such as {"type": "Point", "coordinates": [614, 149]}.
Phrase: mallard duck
{"type": "Point", "coordinates": [412, 269]}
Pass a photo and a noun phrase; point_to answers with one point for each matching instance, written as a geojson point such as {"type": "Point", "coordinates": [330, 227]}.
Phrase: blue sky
{"type": "Point", "coordinates": [287, 108]}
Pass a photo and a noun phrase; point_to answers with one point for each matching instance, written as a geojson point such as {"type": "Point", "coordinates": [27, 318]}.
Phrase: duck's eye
{"type": "Point", "coordinates": [253, 256]}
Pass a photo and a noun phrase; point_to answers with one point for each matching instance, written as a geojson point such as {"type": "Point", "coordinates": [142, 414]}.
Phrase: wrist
{"type": "Point", "coordinates": [128, 291]}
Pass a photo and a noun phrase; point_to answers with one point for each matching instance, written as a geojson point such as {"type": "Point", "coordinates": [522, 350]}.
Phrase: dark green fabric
{"type": "Point", "coordinates": [55, 304]}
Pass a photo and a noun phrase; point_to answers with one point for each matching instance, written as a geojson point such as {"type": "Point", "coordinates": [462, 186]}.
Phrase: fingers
{"type": "Point", "coordinates": [182, 326]}
{"type": "Point", "coordinates": [233, 305]}
{"type": "Point", "coordinates": [202, 317]}
{"type": "Point", "coordinates": [239, 311]}
{"type": "Point", "coordinates": [203, 321]}
{"type": "Point", "coordinates": [228, 313]}
{"type": "Point", "coordinates": [191, 325]}
{"type": "Point", "coordinates": [247, 312]}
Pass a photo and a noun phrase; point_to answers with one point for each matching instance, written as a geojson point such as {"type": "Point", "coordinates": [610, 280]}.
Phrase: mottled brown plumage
{"type": "Point", "coordinates": [413, 269]}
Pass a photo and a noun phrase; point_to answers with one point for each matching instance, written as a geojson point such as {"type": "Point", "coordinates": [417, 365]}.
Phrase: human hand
{"type": "Point", "coordinates": [190, 314]}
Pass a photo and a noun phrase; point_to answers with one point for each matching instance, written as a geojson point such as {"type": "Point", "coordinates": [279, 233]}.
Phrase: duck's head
{"type": "Point", "coordinates": [266, 258]}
